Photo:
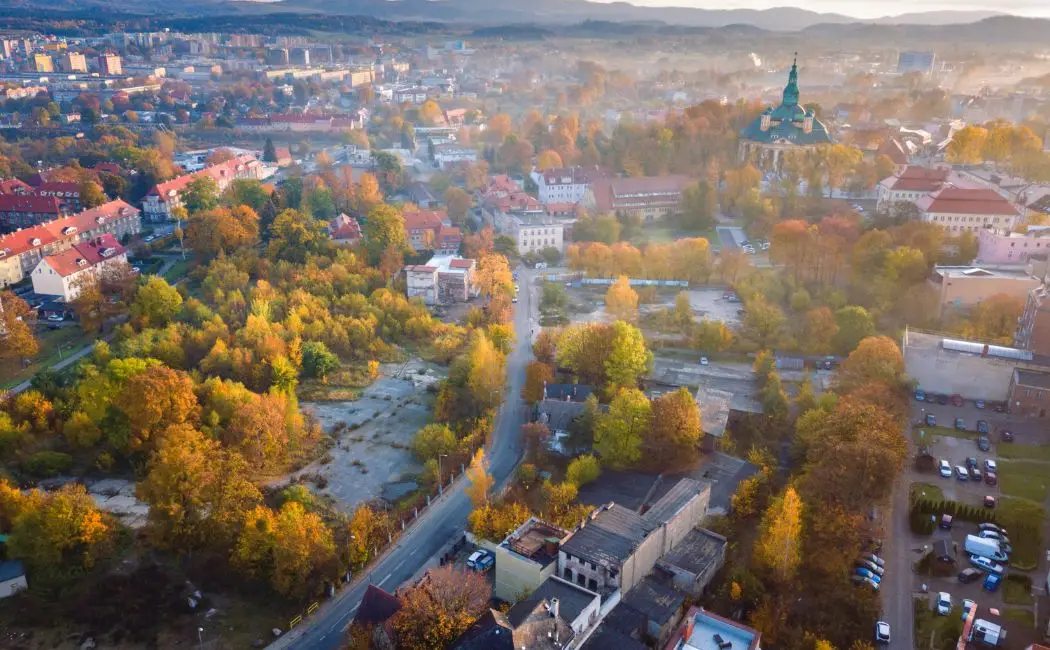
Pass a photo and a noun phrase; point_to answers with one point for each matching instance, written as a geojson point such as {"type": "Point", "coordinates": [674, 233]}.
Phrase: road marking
{"type": "Point", "coordinates": [380, 584]}
{"type": "Point", "coordinates": [399, 564]}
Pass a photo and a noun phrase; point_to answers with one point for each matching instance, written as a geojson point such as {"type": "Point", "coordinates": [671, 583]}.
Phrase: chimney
{"type": "Point", "coordinates": [554, 607]}
{"type": "Point", "coordinates": [550, 545]}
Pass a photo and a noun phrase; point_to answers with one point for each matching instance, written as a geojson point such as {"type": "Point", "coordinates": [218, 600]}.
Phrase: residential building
{"type": "Point", "coordinates": [446, 155]}
{"type": "Point", "coordinates": [20, 251]}
{"type": "Point", "coordinates": [967, 209]}
{"type": "Point", "coordinates": [1003, 246]}
{"type": "Point", "coordinates": [21, 211]}
{"type": "Point", "coordinates": [565, 185]}
{"type": "Point", "coordinates": [787, 127]}
{"type": "Point", "coordinates": [420, 194]}
{"type": "Point", "coordinates": [43, 62]}
{"type": "Point", "coordinates": [1033, 329]}
{"type": "Point", "coordinates": [344, 230]}
{"type": "Point", "coordinates": [377, 607]}
{"type": "Point", "coordinates": [693, 563]}
{"type": "Point", "coordinates": [526, 558]}
{"type": "Point", "coordinates": [1029, 393]}
{"type": "Point", "coordinates": [66, 193]}
{"type": "Point", "coordinates": [567, 392]}
{"type": "Point", "coordinates": [615, 547]}
{"type": "Point", "coordinates": [432, 230]}
{"type": "Point", "coordinates": [12, 578]}
{"type": "Point", "coordinates": [164, 197]}
{"type": "Point", "coordinates": [557, 616]}
{"type": "Point", "coordinates": [911, 183]}
{"type": "Point", "coordinates": [650, 197]}
{"type": "Point", "coordinates": [73, 62]}
{"type": "Point", "coordinates": [62, 274]}
{"type": "Point", "coordinates": [962, 287]}
{"type": "Point", "coordinates": [444, 279]}
{"type": "Point", "coordinates": [532, 234]}
{"type": "Point", "coordinates": [702, 630]}
{"type": "Point", "coordinates": [657, 605]}
{"type": "Point", "coordinates": [893, 149]}
{"type": "Point", "coordinates": [277, 56]}
{"type": "Point", "coordinates": [109, 64]}
{"type": "Point", "coordinates": [503, 198]}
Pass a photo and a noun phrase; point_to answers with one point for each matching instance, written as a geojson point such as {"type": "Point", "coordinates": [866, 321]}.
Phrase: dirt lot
{"type": "Point", "coordinates": [371, 458]}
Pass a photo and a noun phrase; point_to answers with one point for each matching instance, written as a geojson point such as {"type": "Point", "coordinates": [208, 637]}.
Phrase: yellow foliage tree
{"type": "Point", "coordinates": [479, 480]}
{"type": "Point", "coordinates": [621, 301]}
{"type": "Point", "coordinates": [779, 545]}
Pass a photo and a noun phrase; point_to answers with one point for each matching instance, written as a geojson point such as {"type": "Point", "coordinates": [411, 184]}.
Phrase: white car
{"type": "Point", "coordinates": [988, 565]}
{"type": "Point", "coordinates": [946, 469]}
{"type": "Point", "coordinates": [514, 299]}
{"type": "Point", "coordinates": [882, 633]}
{"type": "Point", "coordinates": [703, 361]}
{"type": "Point", "coordinates": [990, 466]}
{"type": "Point", "coordinates": [150, 238]}
{"type": "Point", "coordinates": [944, 603]}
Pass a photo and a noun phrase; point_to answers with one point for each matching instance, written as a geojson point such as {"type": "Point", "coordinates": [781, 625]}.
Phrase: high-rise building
{"type": "Point", "coordinates": [43, 63]}
{"type": "Point", "coordinates": [299, 56]}
{"type": "Point", "coordinates": [73, 62]}
{"type": "Point", "coordinates": [109, 64]}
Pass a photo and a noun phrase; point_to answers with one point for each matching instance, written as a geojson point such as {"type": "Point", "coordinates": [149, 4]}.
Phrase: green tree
{"type": "Point", "coordinates": [384, 230]}
{"type": "Point", "coordinates": [269, 152]}
{"type": "Point", "coordinates": [295, 236]}
{"type": "Point", "coordinates": [763, 323]}
{"type": "Point", "coordinates": [583, 470]}
{"type": "Point", "coordinates": [618, 434]}
{"type": "Point", "coordinates": [156, 303]}
{"type": "Point", "coordinates": [247, 191]}
{"type": "Point", "coordinates": [318, 360]}
{"type": "Point", "coordinates": [674, 429]}
{"type": "Point", "coordinates": [202, 193]}
{"type": "Point", "coordinates": [699, 206]}
{"type": "Point", "coordinates": [854, 324]}
{"type": "Point", "coordinates": [433, 441]}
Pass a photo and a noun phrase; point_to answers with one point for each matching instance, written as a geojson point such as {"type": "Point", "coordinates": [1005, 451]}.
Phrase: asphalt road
{"type": "Point", "coordinates": [896, 588]}
{"type": "Point", "coordinates": [447, 517]}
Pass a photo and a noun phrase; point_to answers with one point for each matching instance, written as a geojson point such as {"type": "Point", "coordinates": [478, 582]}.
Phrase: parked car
{"type": "Point", "coordinates": [983, 443]}
{"type": "Point", "coordinates": [944, 603]}
{"type": "Point", "coordinates": [986, 564]}
{"type": "Point", "coordinates": [992, 582]}
{"type": "Point", "coordinates": [979, 404]}
{"type": "Point", "coordinates": [989, 501]}
{"type": "Point", "coordinates": [882, 632]}
{"type": "Point", "coordinates": [966, 576]}
{"type": "Point", "coordinates": [514, 299]}
{"type": "Point", "coordinates": [920, 396]}
{"type": "Point", "coordinates": [982, 426]}
{"type": "Point", "coordinates": [946, 522]}
{"type": "Point", "coordinates": [991, 478]}
{"type": "Point", "coordinates": [960, 424]}
{"type": "Point", "coordinates": [861, 580]}
{"type": "Point", "coordinates": [993, 527]}
{"type": "Point", "coordinates": [942, 399]}
{"type": "Point", "coordinates": [703, 360]}
{"type": "Point", "coordinates": [999, 537]}
{"type": "Point", "coordinates": [931, 420]}
{"type": "Point", "coordinates": [480, 560]}
{"type": "Point", "coordinates": [55, 318]}
{"type": "Point", "coordinates": [1000, 407]}
{"type": "Point", "coordinates": [990, 465]}
{"type": "Point", "coordinates": [966, 605]}
{"type": "Point", "coordinates": [971, 462]}
{"type": "Point", "coordinates": [957, 400]}
{"type": "Point", "coordinates": [871, 557]}
{"type": "Point", "coordinates": [962, 473]}
{"type": "Point", "coordinates": [871, 566]}
{"type": "Point", "coordinates": [975, 475]}
{"type": "Point", "coordinates": [1006, 436]}
{"type": "Point", "coordinates": [150, 238]}
{"type": "Point", "coordinates": [867, 573]}
{"type": "Point", "coordinates": [946, 469]}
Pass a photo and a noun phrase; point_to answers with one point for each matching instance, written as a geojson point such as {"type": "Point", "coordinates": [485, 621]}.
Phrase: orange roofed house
{"type": "Point", "coordinates": [432, 230]}
{"type": "Point", "coordinates": [21, 251]}
{"type": "Point", "coordinates": [649, 197]}
{"type": "Point", "coordinates": [61, 274]}
{"type": "Point", "coordinates": [961, 209]}
{"type": "Point", "coordinates": [164, 197]}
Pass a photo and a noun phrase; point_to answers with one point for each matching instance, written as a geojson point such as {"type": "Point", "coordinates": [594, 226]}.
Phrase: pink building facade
{"type": "Point", "coordinates": [1005, 247]}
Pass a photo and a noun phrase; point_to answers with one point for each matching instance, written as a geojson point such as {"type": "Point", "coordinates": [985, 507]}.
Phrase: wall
{"type": "Point", "coordinates": [1028, 401]}
{"type": "Point", "coordinates": [999, 249]}
{"type": "Point", "coordinates": [10, 270]}
{"type": "Point", "coordinates": [12, 586]}
{"type": "Point", "coordinates": [967, 292]}
{"type": "Point", "coordinates": [517, 576]}
{"type": "Point", "coordinates": [47, 282]}
{"type": "Point", "coordinates": [969, 375]}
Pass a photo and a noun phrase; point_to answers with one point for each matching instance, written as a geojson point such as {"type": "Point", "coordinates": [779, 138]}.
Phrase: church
{"type": "Point", "coordinates": [788, 127]}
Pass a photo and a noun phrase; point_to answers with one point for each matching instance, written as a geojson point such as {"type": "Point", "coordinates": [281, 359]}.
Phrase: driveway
{"type": "Point", "coordinates": [444, 519]}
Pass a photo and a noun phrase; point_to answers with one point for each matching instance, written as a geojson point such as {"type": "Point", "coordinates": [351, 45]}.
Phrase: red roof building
{"type": "Point", "coordinates": [961, 209]}
{"type": "Point", "coordinates": [344, 229]}
{"type": "Point", "coordinates": [21, 211]}
{"type": "Point", "coordinates": [62, 274]}
{"type": "Point", "coordinates": [448, 240]}
{"type": "Point", "coordinates": [14, 186]}
{"type": "Point", "coordinates": [650, 197]}
{"type": "Point", "coordinates": [164, 197]}
{"type": "Point", "coordinates": [422, 227]}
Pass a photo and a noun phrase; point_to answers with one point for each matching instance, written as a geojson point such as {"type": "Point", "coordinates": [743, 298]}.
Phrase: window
{"type": "Point", "coordinates": [592, 584]}
{"type": "Point", "coordinates": [568, 574]}
{"type": "Point", "coordinates": [1039, 394]}
{"type": "Point", "coordinates": [581, 579]}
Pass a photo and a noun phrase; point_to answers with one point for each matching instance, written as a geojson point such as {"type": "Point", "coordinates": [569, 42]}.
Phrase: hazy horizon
{"type": "Point", "coordinates": [864, 8]}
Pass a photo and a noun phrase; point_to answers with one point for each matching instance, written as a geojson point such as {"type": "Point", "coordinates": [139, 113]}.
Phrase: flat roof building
{"type": "Point", "coordinates": [703, 630]}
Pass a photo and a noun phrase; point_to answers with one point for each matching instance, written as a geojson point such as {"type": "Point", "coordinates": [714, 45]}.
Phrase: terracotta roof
{"type": "Point", "coordinates": [109, 168]}
{"type": "Point", "coordinates": [892, 149]}
{"type": "Point", "coordinates": [919, 179]}
{"type": "Point", "coordinates": [58, 189]}
{"type": "Point", "coordinates": [85, 255]}
{"type": "Point", "coordinates": [29, 203]}
{"type": "Point", "coordinates": [225, 170]}
{"type": "Point", "coordinates": [609, 193]}
{"type": "Point", "coordinates": [424, 219]}
{"type": "Point", "coordinates": [959, 200]}
{"type": "Point", "coordinates": [450, 234]}
{"type": "Point", "coordinates": [461, 264]}
{"type": "Point", "coordinates": [11, 185]}
{"type": "Point", "coordinates": [21, 241]}
{"type": "Point", "coordinates": [421, 268]}
{"type": "Point", "coordinates": [344, 227]}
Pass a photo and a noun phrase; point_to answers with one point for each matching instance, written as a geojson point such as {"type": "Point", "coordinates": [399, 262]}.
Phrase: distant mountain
{"type": "Point", "coordinates": [500, 12]}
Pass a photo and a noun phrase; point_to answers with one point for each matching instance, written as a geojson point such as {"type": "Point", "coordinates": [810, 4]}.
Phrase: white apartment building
{"type": "Point", "coordinates": [566, 185]}
{"type": "Point", "coordinates": [533, 234]}
{"type": "Point", "coordinates": [62, 274]}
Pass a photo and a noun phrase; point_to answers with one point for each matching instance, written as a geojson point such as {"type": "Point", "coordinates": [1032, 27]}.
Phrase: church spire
{"type": "Point", "coordinates": [791, 89]}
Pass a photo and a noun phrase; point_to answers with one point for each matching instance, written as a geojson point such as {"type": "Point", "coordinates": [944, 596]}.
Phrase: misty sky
{"type": "Point", "coordinates": [866, 8]}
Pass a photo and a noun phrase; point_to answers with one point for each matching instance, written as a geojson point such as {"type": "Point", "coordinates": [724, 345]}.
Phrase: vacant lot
{"type": "Point", "coordinates": [1025, 452]}
{"type": "Point", "coordinates": [1025, 479]}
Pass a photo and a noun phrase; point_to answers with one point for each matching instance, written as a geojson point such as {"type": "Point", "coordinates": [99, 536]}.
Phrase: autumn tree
{"type": "Point", "coordinates": [294, 236]}
{"type": "Point", "coordinates": [156, 302]}
{"type": "Point", "coordinates": [618, 434]}
{"type": "Point", "coordinates": [197, 492]}
{"type": "Point", "coordinates": [91, 194]}
{"type": "Point", "coordinates": [152, 401]}
{"type": "Point", "coordinates": [621, 301]}
{"type": "Point", "coordinates": [493, 275]}
{"type": "Point", "coordinates": [583, 470]}
{"type": "Point", "coordinates": [537, 374]}
{"type": "Point", "coordinates": [384, 230]}
{"type": "Point", "coordinates": [290, 549]}
{"type": "Point", "coordinates": [674, 429]}
{"type": "Point", "coordinates": [59, 531]}
{"type": "Point", "coordinates": [712, 336]}
{"type": "Point", "coordinates": [200, 194]}
{"type": "Point", "coordinates": [778, 548]}
{"type": "Point", "coordinates": [367, 194]}
{"type": "Point", "coordinates": [438, 610]}
{"type": "Point", "coordinates": [458, 204]}
{"type": "Point", "coordinates": [763, 323]}
{"type": "Point", "coordinates": [548, 159]}
{"type": "Point", "coordinates": [479, 479]}
{"type": "Point", "coordinates": [369, 532]}
{"type": "Point", "coordinates": [494, 521]}
{"type": "Point", "coordinates": [433, 441]}
{"type": "Point", "coordinates": [18, 341]}
{"type": "Point", "coordinates": [222, 230]}
{"type": "Point", "coordinates": [993, 319]}
{"type": "Point", "coordinates": [875, 359]}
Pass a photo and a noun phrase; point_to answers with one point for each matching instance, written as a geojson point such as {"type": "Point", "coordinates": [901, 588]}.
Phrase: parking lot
{"type": "Point", "coordinates": [1023, 467]}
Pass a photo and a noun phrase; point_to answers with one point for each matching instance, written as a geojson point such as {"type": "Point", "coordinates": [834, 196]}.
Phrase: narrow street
{"type": "Point", "coordinates": [896, 591]}
{"type": "Point", "coordinates": [447, 517]}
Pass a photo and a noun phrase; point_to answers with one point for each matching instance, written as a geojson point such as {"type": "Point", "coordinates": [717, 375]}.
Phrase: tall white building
{"type": "Point", "coordinates": [567, 185]}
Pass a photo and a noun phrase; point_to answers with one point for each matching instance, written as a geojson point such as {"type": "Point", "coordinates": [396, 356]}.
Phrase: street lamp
{"type": "Point", "coordinates": [200, 637]}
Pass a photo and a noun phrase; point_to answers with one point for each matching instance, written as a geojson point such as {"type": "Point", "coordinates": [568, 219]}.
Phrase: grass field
{"type": "Point", "coordinates": [1015, 593]}
{"type": "Point", "coordinates": [941, 432]}
{"type": "Point", "coordinates": [1024, 616]}
{"type": "Point", "coordinates": [1025, 452]}
{"type": "Point", "coordinates": [54, 346]}
{"type": "Point", "coordinates": [1025, 479]}
{"type": "Point", "coordinates": [927, 491]}
{"type": "Point", "coordinates": [662, 234]}
{"type": "Point", "coordinates": [179, 270]}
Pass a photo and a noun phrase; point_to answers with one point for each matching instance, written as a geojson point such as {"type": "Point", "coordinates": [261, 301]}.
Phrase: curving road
{"type": "Point", "coordinates": [445, 518]}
